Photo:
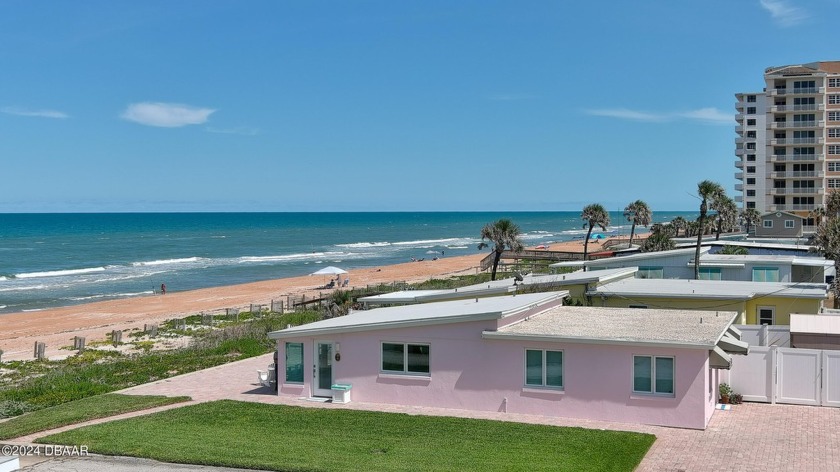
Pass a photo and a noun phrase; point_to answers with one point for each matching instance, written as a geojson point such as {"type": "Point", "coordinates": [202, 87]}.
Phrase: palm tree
{"type": "Point", "coordinates": [706, 190]}
{"type": "Point", "coordinates": [503, 234]}
{"type": "Point", "coordinates": [734, 250]}
{"type": "Point", "coordinates": [826, 241]}
{"type": "Point", "coordinates": [727, 212]}
{"type": "Point", "coordinates": [832, 204]}
{"type": "Point", "coordinates": [658, 241]}
{"type": "Point", "coordinates": [751, 216]}
{"type": "Point", "coordinates": [638, 213]}
{"type": "Point", "coordinates": [594, 215]}
{"type": "Point", "coordinates": [679, 223]}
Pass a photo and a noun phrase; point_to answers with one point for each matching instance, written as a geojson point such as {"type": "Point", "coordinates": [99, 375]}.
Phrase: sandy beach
{"type": "Point", "coordinates": [57, 326]}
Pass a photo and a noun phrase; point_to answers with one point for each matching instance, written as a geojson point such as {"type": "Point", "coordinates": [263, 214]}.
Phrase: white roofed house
{"type": "Point", "coordinates": [679, 264]}
{"type": "Point", "coordinates": [755, 302]}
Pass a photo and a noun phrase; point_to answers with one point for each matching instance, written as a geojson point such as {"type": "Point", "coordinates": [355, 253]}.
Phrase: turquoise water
{"type": "Point", "coordinates": [49, 260]}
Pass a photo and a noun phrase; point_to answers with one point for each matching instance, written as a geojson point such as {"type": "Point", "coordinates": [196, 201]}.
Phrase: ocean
{"type": "Point", "coordinates": [50, 260]}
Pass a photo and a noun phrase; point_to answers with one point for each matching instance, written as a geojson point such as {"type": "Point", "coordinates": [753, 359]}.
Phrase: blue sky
{"type": "Point", "coordinates": [382, 105]}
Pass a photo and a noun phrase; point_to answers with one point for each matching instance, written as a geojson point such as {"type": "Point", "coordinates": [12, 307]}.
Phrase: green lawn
{"type": "Point", "coordinates": [100, 406]}
{"type": "Point", "coordinates": [275, 437]}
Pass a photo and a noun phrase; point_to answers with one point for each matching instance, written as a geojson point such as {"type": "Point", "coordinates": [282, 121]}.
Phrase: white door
{"type": "Point", "coordinates": [323, 369]}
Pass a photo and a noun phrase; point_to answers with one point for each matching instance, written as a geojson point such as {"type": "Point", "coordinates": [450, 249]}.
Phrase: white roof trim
{"type": "Point", "coordinates": [718, 359]}
{"type": "Point", "coordinates": [583, 340]}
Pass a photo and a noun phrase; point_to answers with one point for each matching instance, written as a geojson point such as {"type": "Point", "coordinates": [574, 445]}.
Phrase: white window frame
{"type": "Point", "coordinates": [834, 116]}
{"type": "Point", "coordinates": [544, 372]}
{"type": "Point", "coordinates": [834, 166]}
{"type": "Point", "coordinates": [789, 224]}
{"type": "Point", "coordinates": [834, 149]}
{"type": "Point", "coordinates": [834, 132]}
{"type": "Point", "coordinates": [653, 391]}
{"type": "Point", "coordinates": [767, 224]}
{"type": "Point", "coordinates": [833, 183]}
{"type": "Point", "coordinates": [772, 314]}
{"type": "Point", "coordinates": [834, 99]}
{"type": "Point", "coordinates": [834, 82]}
{"type": "Point", "coordinates": [405, 370]}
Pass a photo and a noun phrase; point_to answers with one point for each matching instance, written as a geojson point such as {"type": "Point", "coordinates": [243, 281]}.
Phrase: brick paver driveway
{"type": "Point", "coordinates": [751, 437]}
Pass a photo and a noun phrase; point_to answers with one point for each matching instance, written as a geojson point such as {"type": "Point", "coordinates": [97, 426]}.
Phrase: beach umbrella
{"type": "Point", "coordinates": [330, 270]}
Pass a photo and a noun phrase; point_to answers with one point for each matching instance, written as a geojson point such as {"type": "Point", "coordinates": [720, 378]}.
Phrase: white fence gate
{"type": "Point", "coordinates": [787, 375]}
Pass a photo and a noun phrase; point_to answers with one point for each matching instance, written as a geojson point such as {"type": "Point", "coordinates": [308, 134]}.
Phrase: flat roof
{"type": "Point", "coordinates": [708, 259]}
{"type": "Point", "coordinates": [709, 289]}
{"type": "Point", "coordinates": [680, 328]}
{"type": "Point", "coordinates": [632, 257]}
{"type": "Point", "coordinates": [579, 277]}
{"type": "Point", "coordinates": [498, 287]}
{"type": "Point", "coordinates": [752, 243]}
{"type": "Point", "coordinates": [424, 314]}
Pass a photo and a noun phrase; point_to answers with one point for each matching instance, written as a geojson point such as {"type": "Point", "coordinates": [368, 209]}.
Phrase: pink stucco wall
{"type": "Point", "coordinates": [469, 372]}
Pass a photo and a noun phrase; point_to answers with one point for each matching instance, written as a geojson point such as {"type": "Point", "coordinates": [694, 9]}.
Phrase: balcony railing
{"type": "Point", "coordinates": [796, 173]}
{"type": "Point", "coordinates": [739, 164]}
{"type": "Point", "coordinates": [739, 198]}
{"type": "Point", "coordinates": [795, 124]}
{"type": "Point", "coordinates": [780, 141]}
{"type": "Point", "coordinates": [808, 207]}
{"type": "Point", "coordinates": [797, 91]}
{"type": "Point", "coordinates": [796, 191]}
{"type": "Point", "coordinates": [740, 152]}
{"type": "Point", "coordinates": [739, 187]}
{"type": "Point", "coordinates": [795, 157]}
{"type": "Point", "coordinates": [808, 107]}
{"type": "Point", "coordinates": [739, 175]}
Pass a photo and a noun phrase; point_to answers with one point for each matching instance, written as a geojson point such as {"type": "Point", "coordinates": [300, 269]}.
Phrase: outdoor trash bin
{"type": "Point", "coordinates": [341, 393]}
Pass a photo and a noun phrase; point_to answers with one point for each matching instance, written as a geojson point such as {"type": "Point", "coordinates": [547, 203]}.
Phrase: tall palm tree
{"type": "Point", "coordinates": [679, 223]}
{"type": "Point", "coordinates": [706, 190]}
{"type": "Point", "coordinates": [638, 213]}
{"type": "Point", "coordinates": [594, 215]}
{"type": "Point", "coordinates": [658, 241]}
{"type": "Point", "coordinates": [727, 212]}
{"type": "Point", "coordinates": [826, 241]}
{"type": "Point", "coordinates": [832, 204]}
{"type": "Point", "coordinates": [503, 234]}
{"type": "Point", "coordinates": [751, 216]}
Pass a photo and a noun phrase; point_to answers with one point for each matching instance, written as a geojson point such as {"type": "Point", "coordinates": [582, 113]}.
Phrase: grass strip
{"type": "Point", "coordinates": [277, 437]}
{"type": "Point", "coordinates": [100, 406]}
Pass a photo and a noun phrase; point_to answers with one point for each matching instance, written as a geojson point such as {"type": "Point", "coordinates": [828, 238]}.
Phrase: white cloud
{"type": "Point", "coordinates": [240, 130]}
{"type": "Point", "coordinates": [710, 115]}
{"type": "Point", "coordinates": [783, 13]}
{"type": "Point", "coordinates": [166, 115]}
{"type": "Point", "coordinates": [706, 115]}
{"type": "Point", "coordinates": [38, 113]}
{"type": "Point", "coordinates": [625, 114]}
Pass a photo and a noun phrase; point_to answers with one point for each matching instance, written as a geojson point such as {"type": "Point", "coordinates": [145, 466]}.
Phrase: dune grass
{"type": "Point", "coordinates": [45, 384]}
{"type": "Point", "coordinates": [100, 406]}
{"type": "Point", "coordinates": [274, 437]}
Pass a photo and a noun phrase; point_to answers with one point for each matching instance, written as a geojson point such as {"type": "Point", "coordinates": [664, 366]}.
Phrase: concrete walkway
{"type": "Point", "coordinates": [750, 437]}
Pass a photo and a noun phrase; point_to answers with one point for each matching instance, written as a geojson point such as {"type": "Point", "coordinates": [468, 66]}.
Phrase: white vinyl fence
{"type": "Point", "coordinates": [787, 375]}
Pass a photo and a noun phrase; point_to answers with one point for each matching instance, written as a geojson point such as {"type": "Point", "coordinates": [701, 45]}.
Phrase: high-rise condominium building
{"type": "Point", "coordinates": [788, 145]}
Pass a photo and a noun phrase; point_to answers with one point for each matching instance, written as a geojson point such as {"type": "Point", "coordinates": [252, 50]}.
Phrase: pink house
{"type": "Point", "coordinates": [521, 354]}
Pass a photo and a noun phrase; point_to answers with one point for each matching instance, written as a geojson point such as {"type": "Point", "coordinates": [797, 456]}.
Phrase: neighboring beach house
{"type": "Point", "coordinates": [755, 302]}
{"type": "Point", "coordinates": [577, 283]}
{"type": "Point", "coordinates": [679, 264]}
{"type": "Point", "coordinates": [520, 354]}
{"type": "Point", "coordinates": [779, 224]}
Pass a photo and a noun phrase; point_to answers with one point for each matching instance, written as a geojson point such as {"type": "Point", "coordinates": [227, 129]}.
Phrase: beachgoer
{"type": "Point", "coordinates": [441, 253]}
{"type": "Point", "coordinates": [163, 289]}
